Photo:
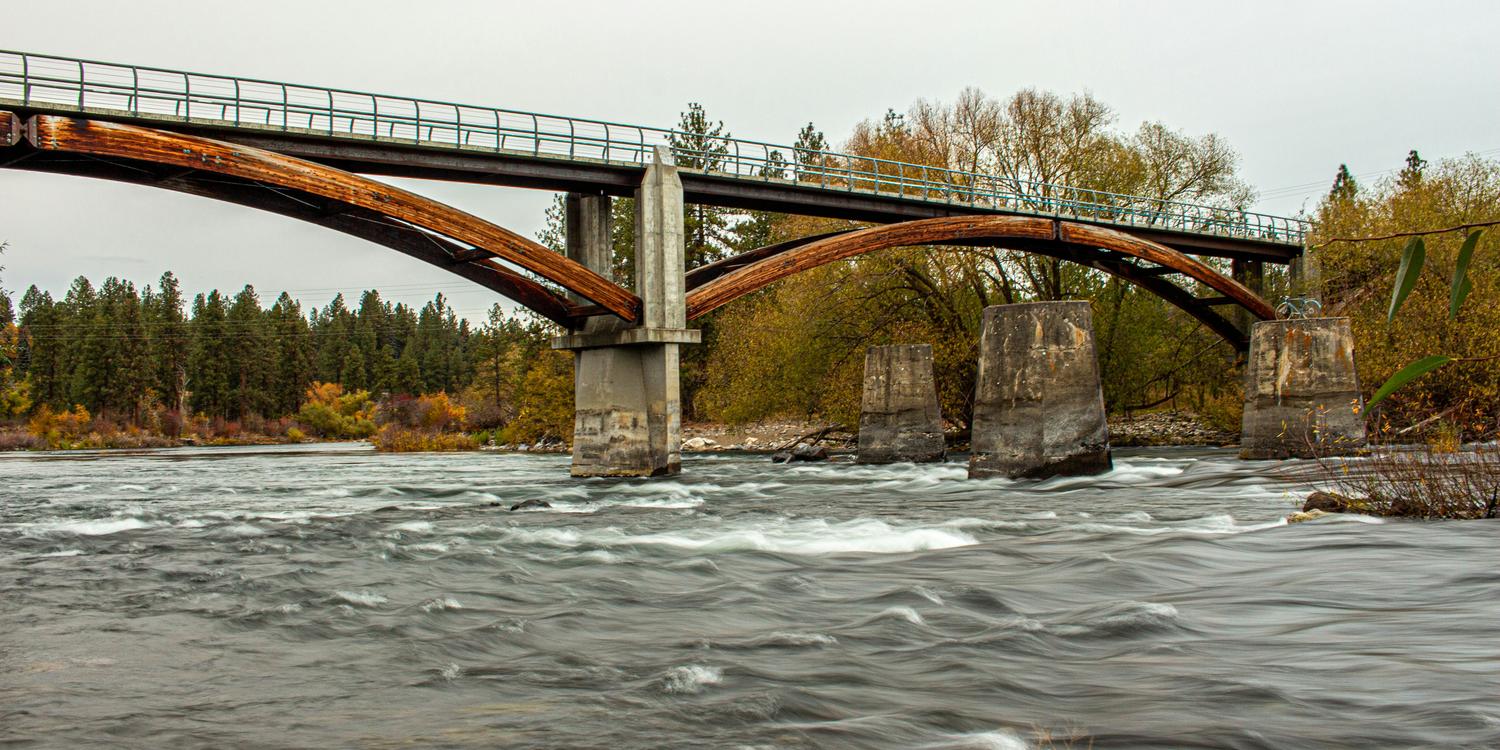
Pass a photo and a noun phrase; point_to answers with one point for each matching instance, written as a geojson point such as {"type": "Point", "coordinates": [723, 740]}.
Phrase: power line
{"type": "Point", "coordinates": [1308, 187]}
{"type": "Point", "coordinates": [1418, 233]}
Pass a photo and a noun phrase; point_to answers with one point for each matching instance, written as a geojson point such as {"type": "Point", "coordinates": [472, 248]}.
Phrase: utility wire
{"type": "Point", "coordinates": [1394, 235]}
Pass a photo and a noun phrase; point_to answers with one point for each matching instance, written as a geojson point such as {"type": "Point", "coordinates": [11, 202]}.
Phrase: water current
{"type": "Point", "coordinates": [336, 597]}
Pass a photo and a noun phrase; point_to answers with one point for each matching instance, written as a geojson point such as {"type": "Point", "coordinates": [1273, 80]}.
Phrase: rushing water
{"type": "Point", "coordinates": [339, 597]}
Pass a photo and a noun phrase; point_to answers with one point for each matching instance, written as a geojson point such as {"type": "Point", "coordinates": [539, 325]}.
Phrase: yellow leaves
{"type": "Point", "coordinates": [545, 401]}
{"type": "Point", "coordinates": [396, 439]}
{"type": "Point", "coordinates": [329, 412]}
{"type": "Point", "coordinates": [60, 428]}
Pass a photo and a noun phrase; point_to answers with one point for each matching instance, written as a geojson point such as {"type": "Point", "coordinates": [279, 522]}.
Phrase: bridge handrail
{"type": "Point", "coordinates": [257, 103]}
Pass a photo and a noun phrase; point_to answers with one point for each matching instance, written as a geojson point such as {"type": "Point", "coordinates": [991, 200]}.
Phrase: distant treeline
{"type": "Point", "coordinates": [132, 355]}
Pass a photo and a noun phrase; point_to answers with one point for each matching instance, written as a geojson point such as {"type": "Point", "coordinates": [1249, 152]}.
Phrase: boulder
{"type": "Point", "coordinates": [782, 457]}
{"type": "Point", "coordinates": [1329, 502]}
{"type": "Point", "coordinates": [1306, 515]}
{"type": "Point", "coordinates": [532, 504]}
{"type": "Point", "coordinates": [698, 444]}
{"type": "Point", "coordinates": [805, 452]}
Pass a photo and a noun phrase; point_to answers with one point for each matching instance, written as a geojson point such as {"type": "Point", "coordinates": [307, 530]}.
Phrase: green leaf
{"type": "Point", "coordinates": [1412, 259]}
{"type": "Point", "coordinates": [1461, 286]}
{"type": "Point", "coordinates": [1408, 373]}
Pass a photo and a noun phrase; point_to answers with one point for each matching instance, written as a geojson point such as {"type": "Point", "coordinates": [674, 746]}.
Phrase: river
{"type": "Point", "coordinates": [330, 596]}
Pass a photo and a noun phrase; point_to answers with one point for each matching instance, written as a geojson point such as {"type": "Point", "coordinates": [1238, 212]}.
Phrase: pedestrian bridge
{"type": "Point", "coordinates": [305, 152]}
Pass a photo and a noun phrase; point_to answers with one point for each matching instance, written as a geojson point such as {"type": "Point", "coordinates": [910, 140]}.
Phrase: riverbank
{"type": "Point", "coordinates": [1151, 429]}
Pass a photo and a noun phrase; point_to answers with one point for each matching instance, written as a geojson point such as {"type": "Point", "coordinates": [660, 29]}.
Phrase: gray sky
{"type": "Point", "coordinates": [1296, 87]}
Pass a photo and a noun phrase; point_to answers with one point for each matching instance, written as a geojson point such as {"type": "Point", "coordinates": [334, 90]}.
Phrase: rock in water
{"type": "Point", "coordinates": [1306, 515]}
{"type": "Point", "coordinates": [783, 457]}
{"type": "Point", "coordinates": [532, 504]}
{"type": "Point", "coordinates": [1328, 502]}
{"type": "Point", "coordinates": [805, 452]}
{"type": "Point", "coordinates": [698, 444]}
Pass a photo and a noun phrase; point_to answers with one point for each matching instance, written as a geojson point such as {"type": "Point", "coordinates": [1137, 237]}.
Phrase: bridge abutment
{"type": "Point", "coordinates": [899, 417]}
{"type": "Point", "coordinates": [1301, 390]}
{"type": "Point", "coordinates": [1038, 403]}
{"type": "Point", "coordinates": [627, 405]}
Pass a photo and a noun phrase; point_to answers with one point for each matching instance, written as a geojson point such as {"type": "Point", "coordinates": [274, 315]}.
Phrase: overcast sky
{"type": "Point", "coordinates": [1296, 87]}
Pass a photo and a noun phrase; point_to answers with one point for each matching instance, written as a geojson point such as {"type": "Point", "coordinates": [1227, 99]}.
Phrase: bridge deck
{"type": "Point", "coordinates": [383, 135]}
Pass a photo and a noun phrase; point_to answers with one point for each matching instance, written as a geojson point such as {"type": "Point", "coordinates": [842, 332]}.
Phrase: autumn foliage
{"type": "Point", "coordinates": [330, 413]}
{"type": "Point", "coordinates": [424, 423]}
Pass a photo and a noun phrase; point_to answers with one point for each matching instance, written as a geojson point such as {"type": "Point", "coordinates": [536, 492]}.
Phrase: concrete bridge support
{"type": "Point", "coordinates": [1301, 390]}
{"type": "Point", "coordinates": [627, 409]}
{"type": "Point", "coordinates": [899, 418]}
{"type": "Point", "coordinates": [1038, 404]}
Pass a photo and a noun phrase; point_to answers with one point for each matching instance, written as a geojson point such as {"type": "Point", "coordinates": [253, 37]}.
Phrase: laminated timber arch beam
{"type": "Point", "coordinates": [366, 225]}
{"type": "Point", "coordinates": [350, 203]}
{"type": "Point", "coordinates": [1139, 261]}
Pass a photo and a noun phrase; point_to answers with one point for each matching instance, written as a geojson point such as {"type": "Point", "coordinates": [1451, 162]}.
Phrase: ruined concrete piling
{"type": "Point", "coordinates": [899, 418]}
{"type": "Point", "coordinates": [1301, 390]}
{"type": "Point", "coordinates": [1038, 404]}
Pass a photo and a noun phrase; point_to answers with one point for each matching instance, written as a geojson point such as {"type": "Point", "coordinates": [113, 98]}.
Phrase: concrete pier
{"type": "Point", "coordinates": [1301, 390]}
{"type": "Point", "coordinates": [899, 418]}
{"type": "Point", "coordinates": [627, 407]}
{"type": "Point", "coordinates": [1038, 404]}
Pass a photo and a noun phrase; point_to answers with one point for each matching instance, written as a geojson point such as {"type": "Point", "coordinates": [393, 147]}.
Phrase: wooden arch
{"type": "Point", "coordinates": [1139, 261]}
{"type": "Point", "coordinates": [415, 225]}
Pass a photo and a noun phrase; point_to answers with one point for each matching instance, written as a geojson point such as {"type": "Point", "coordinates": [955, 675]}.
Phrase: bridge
{"type": "Point", "coordinates": [305, 152]}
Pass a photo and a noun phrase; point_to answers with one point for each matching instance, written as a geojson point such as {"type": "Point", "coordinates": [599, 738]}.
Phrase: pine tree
{"type": "Point", "coordinates": [293, 359]}
{"type": "Point", "coordinates": [1344, 187]}
{"type": "Point", "coordinates": [808, 154]}
{"type": "Point", "coordinates": [7, 313]}
{"type": "Point", "coordinates": [208, 378]}
{"type": "Point", "coordinates": [123, 353]}
{"type": "Point", "coordinates": [38, 356]}
{"type": "Point", "coordinates": [168, 329]}
{"type": "Point", "coordinates": [251, 369]}
{"type": "Point", "coordinates": [83, 330]}
{"type": "Point", "coordinates": [1411, 174]}
{"type": "Point", "coordinates": [408, 374]}
{"type": "Point", "coordinates": [352, 373]}
{"type": "Point", "coordinates": [700, 144]}
{"type": "Point", "coordinates": [439, 347]}
{"type": "Point", "coordinates": [291, 342]}
{"type": "Point", "coordinates": [332, 329]}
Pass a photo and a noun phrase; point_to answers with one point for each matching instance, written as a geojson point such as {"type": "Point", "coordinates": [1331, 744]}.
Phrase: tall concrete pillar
{"type": "Point", "coordinates": [1038, 404]}
{"type": "Point", "coordinates": [1251, 273]}
{"type": "Point", "coordinates": [1306, 275]}
{"type": "Point", "coordinates": [1301, 390]}
{"type": "Point", "coordinates": [899, 418]}
{"type": "Point", "coordinates": [627, 419]}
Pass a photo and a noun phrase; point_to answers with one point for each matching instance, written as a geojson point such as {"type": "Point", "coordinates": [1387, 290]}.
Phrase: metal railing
{"type": "Point", "coordinates": [159, 94]}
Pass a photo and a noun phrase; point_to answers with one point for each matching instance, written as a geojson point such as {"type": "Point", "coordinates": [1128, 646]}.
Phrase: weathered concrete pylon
{"type": "Point", "coordinates": [1301, 390]}
{"type": "Point", "coordinates": [899, 418]}
{"type": "Point", "coordinates": [1038, 404]}
{"type": "Point", "coordinates": [627, 409]}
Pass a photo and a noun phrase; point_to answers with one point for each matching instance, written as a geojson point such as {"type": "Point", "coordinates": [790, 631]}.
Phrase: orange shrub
{"type": "Point", "coordinates": [61, 428]}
